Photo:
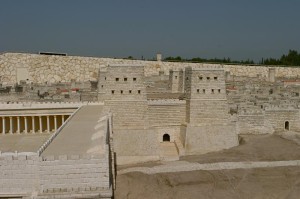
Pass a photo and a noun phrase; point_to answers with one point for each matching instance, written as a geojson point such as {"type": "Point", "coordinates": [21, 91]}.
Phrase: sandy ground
{"type": "Point", "coordinates": [280, 182]}
{"type": "Point", "coordinates": [264, 183]}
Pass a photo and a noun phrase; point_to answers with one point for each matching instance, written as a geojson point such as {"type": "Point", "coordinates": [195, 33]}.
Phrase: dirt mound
{"type": "Point", "coordinates": [280, 182]}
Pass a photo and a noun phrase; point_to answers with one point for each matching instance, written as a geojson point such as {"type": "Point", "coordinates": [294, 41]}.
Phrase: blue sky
{"type": "Point", "coordinates": [239, 29]}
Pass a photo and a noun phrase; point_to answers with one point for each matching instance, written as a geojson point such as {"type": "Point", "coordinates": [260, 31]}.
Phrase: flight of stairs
{"type": "Point", "coordinates": [168, 151]}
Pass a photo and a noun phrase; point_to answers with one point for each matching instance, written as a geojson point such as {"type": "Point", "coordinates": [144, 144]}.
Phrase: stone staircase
{"type": "Point", "coordinates": [168, 151]}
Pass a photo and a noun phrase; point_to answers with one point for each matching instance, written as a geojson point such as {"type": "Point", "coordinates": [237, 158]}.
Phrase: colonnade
{"type": "Point", "coordinates": [31, 124]}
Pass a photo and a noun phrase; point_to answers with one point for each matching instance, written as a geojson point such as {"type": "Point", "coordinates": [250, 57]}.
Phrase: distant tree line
{"type": "Point", "coordinates": [291, 59]}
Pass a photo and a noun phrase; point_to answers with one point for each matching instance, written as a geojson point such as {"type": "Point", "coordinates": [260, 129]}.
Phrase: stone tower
{"type": "Point", "coordinates": [123, 91]}
{"type": "Point", "coordinates": [176, 81]}
{"type": "Point", "coordinates": [208, 127]}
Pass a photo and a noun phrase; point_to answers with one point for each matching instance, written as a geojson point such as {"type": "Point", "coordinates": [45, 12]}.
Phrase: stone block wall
{"type": "Point", "coordinates": [166, 112]}
{"type": "Point", "coordinates": [207, 138]}
{"type": "Point", "coordinates": [132, 146]}
{"type": "Point", "coordinates": [253, 122]}
{"type": "Point", "coordinates": [42, 68]}
{"type": "Point", "coordinates": [277, 116]}
{"type": "Point", "coordinates": [128, 114]}
{"type": "Point", "coordinates": [74, 173]}
{"type": "Point", "coordinates": [18, 174]}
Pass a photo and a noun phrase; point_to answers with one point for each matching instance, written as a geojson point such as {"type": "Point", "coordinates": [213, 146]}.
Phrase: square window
{"type": "Point", "coordinates": [198, 90]}
{"type": "Point", "coordinates": [208, 78]}
{"type": "Point", "coordinates": [203, 90]}
{"type": "Point", "coordinates": [215, 78]}
{"type": "Point", "coordinates": [101, 86]}
{"type": "Point", "coordinates": [112, 92]}
{"type": "Point", "coordinates": [200, 77]}
{"type": "Point", "coordinates": [175, 77]}
{"type": "Point", "coordinates": [121, 91]}
{"type": "Point", "coordinates": [134, 79]}
{"type": "Point", "coordinates": [139, 91]}
{"type": "Point", "coordinates": [125, 79]}
{"type": "Point", "coordinates": [117, 79]}
{"type": "Point", "coordinates": [212, 91]}
{"type": "Point", "coordinates": [130, 91]}
{"type": "Point", "coordinates": [219, 90]}
{"type": "Point", "coordinates": [104, 78]}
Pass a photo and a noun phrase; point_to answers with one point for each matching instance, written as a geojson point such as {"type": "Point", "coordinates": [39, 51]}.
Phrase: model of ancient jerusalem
{"type": "Point", "coordinates": [82, 127]}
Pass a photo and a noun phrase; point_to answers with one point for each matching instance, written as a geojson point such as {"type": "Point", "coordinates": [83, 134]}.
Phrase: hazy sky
{"type": "Point", "coordinates": [239, 29]}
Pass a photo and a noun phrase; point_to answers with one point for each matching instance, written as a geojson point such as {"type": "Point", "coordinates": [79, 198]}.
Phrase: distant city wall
{"type": "Point", "coordinates": [48, 68]}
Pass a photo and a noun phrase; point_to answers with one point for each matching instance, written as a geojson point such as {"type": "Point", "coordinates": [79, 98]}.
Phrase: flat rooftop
{"type": "Point", "coordinates": [22, 142]}
{"type": "Point", "coordinates": [79, 137]}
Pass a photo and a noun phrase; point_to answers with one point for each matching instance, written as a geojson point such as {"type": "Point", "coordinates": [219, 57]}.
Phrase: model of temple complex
{"type": "Point", "coordinates": [66, 122]}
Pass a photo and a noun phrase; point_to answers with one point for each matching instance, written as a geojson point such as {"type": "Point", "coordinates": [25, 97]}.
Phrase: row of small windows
{"type": "Point", "coordinates": [212, 90]}
{"type": "Point", "coordinates": [208, 78]}
{"type": "Point", "coordinates": [122, 92]}
{"type": "Point", "coordinates": [125, 79]}
{"type": "Point", "coordinates": [201, 78]}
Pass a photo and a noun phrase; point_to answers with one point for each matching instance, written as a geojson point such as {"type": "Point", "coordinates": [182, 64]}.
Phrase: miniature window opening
{"type": "Point", "coordinates": [219, 90]}
{"type": "Point", "coordinates": [139, 91]}
{"type": "Point", "coordinates": [166, 137]}
{"type": "Point", "coordinates": [125, 79]}
{"type": "Point", "coordinates": [101, 86]}
{"type": "Point", "coordinates": [200, 77]}
{"type": "Point", "coordinates": [271, 91]}
{"type": "Point", "coordinates": [215, 78]}
{"type": "Point", "coordinates": [134, 79]}
{"type": "Point", "coordinates": [104, 78]}
{"type": "Point", "coordinates": [198, 90]}
{"type": "Point", "coordinates": [212, 90]}
{"type": "Point", "coordinates": [117, 79]}
{"type": "Point", "coordinates": [112, 92]}
{"type": "Point", "coordinates": [175, 77]}
{"type": "Point", "coordinates": [187, 78]}
{"type": "Point", "coordinates": [208, 78]}
{"type": "Point", "coordinates": [121, 91]}
{"type": "Point", "coordinates": [203, 90]}
{"type": "Point", "coordinates": [129, 91]}
{"type": "Point", "coordinates": [287, 125]}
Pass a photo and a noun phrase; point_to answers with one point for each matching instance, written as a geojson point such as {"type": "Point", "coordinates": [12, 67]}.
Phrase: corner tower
{"type": "Point", "coordinates": [208, 126]}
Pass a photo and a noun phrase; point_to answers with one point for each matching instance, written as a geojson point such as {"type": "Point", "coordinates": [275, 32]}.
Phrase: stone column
{"type": "Point", "coordinates": [41, 125]}
{"type": "Point", "coordinates": [3, 125]}
{"type": "Point", "coordinates": [33, 124]}
{"type": "Point", "coordinates": [55, 123]}
{"type": "Point", "coordinates": [48, 124]}
{"type": "Point", "coordinates": [10, 125]}
{"type": "Point", "coordinates": [18, 125]}
{"type": "Point", "coordinates": [25, 125]}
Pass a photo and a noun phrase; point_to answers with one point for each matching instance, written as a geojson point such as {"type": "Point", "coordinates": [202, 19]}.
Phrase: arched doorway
{"type": "Point", "coordinates": [287, 125]}
{"type": "Point", "coordinates": [166, 137]}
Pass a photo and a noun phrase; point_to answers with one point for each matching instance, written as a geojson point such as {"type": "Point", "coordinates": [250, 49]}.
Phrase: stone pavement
{"type": "Point", "coordinates": [179, 166]}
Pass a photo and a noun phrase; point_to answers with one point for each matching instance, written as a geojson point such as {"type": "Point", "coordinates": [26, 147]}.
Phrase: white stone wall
{"type": "Point", "coordinates": [71, 173]}
{"type": "Point", "coordinates": [207, 138]}
{"type": "Point", "coordinates": [166, 112]}
{"type": "Point", "coordinates": [44, 68]}
{"type": "Point", "coordinates": [18, 173]}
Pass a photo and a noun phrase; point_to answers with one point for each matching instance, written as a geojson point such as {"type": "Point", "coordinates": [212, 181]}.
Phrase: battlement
{"type": "Point", "coordinates": [45, 105]}
{"type": "Point", "coordinates": [166, 102]}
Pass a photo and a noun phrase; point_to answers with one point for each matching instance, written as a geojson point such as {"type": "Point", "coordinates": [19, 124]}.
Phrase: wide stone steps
{"type": "Point", "coordinates": [168, 151]}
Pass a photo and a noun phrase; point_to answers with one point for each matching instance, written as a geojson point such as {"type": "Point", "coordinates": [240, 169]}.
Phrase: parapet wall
{"type": "Point", "coordinates": [67, 174]}
{"type": "Point", "coordinates": [42, 68]}
{"type": "Point", "coordinates": [18, 173]}
{"type": "Point", "coordinates": [45, 105]}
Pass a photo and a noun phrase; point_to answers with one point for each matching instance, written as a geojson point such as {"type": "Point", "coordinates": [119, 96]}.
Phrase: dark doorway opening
{"type": "Point", "coordinates": [166, 138]}
{"type": "Point", "coordinates": [287, 125]}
